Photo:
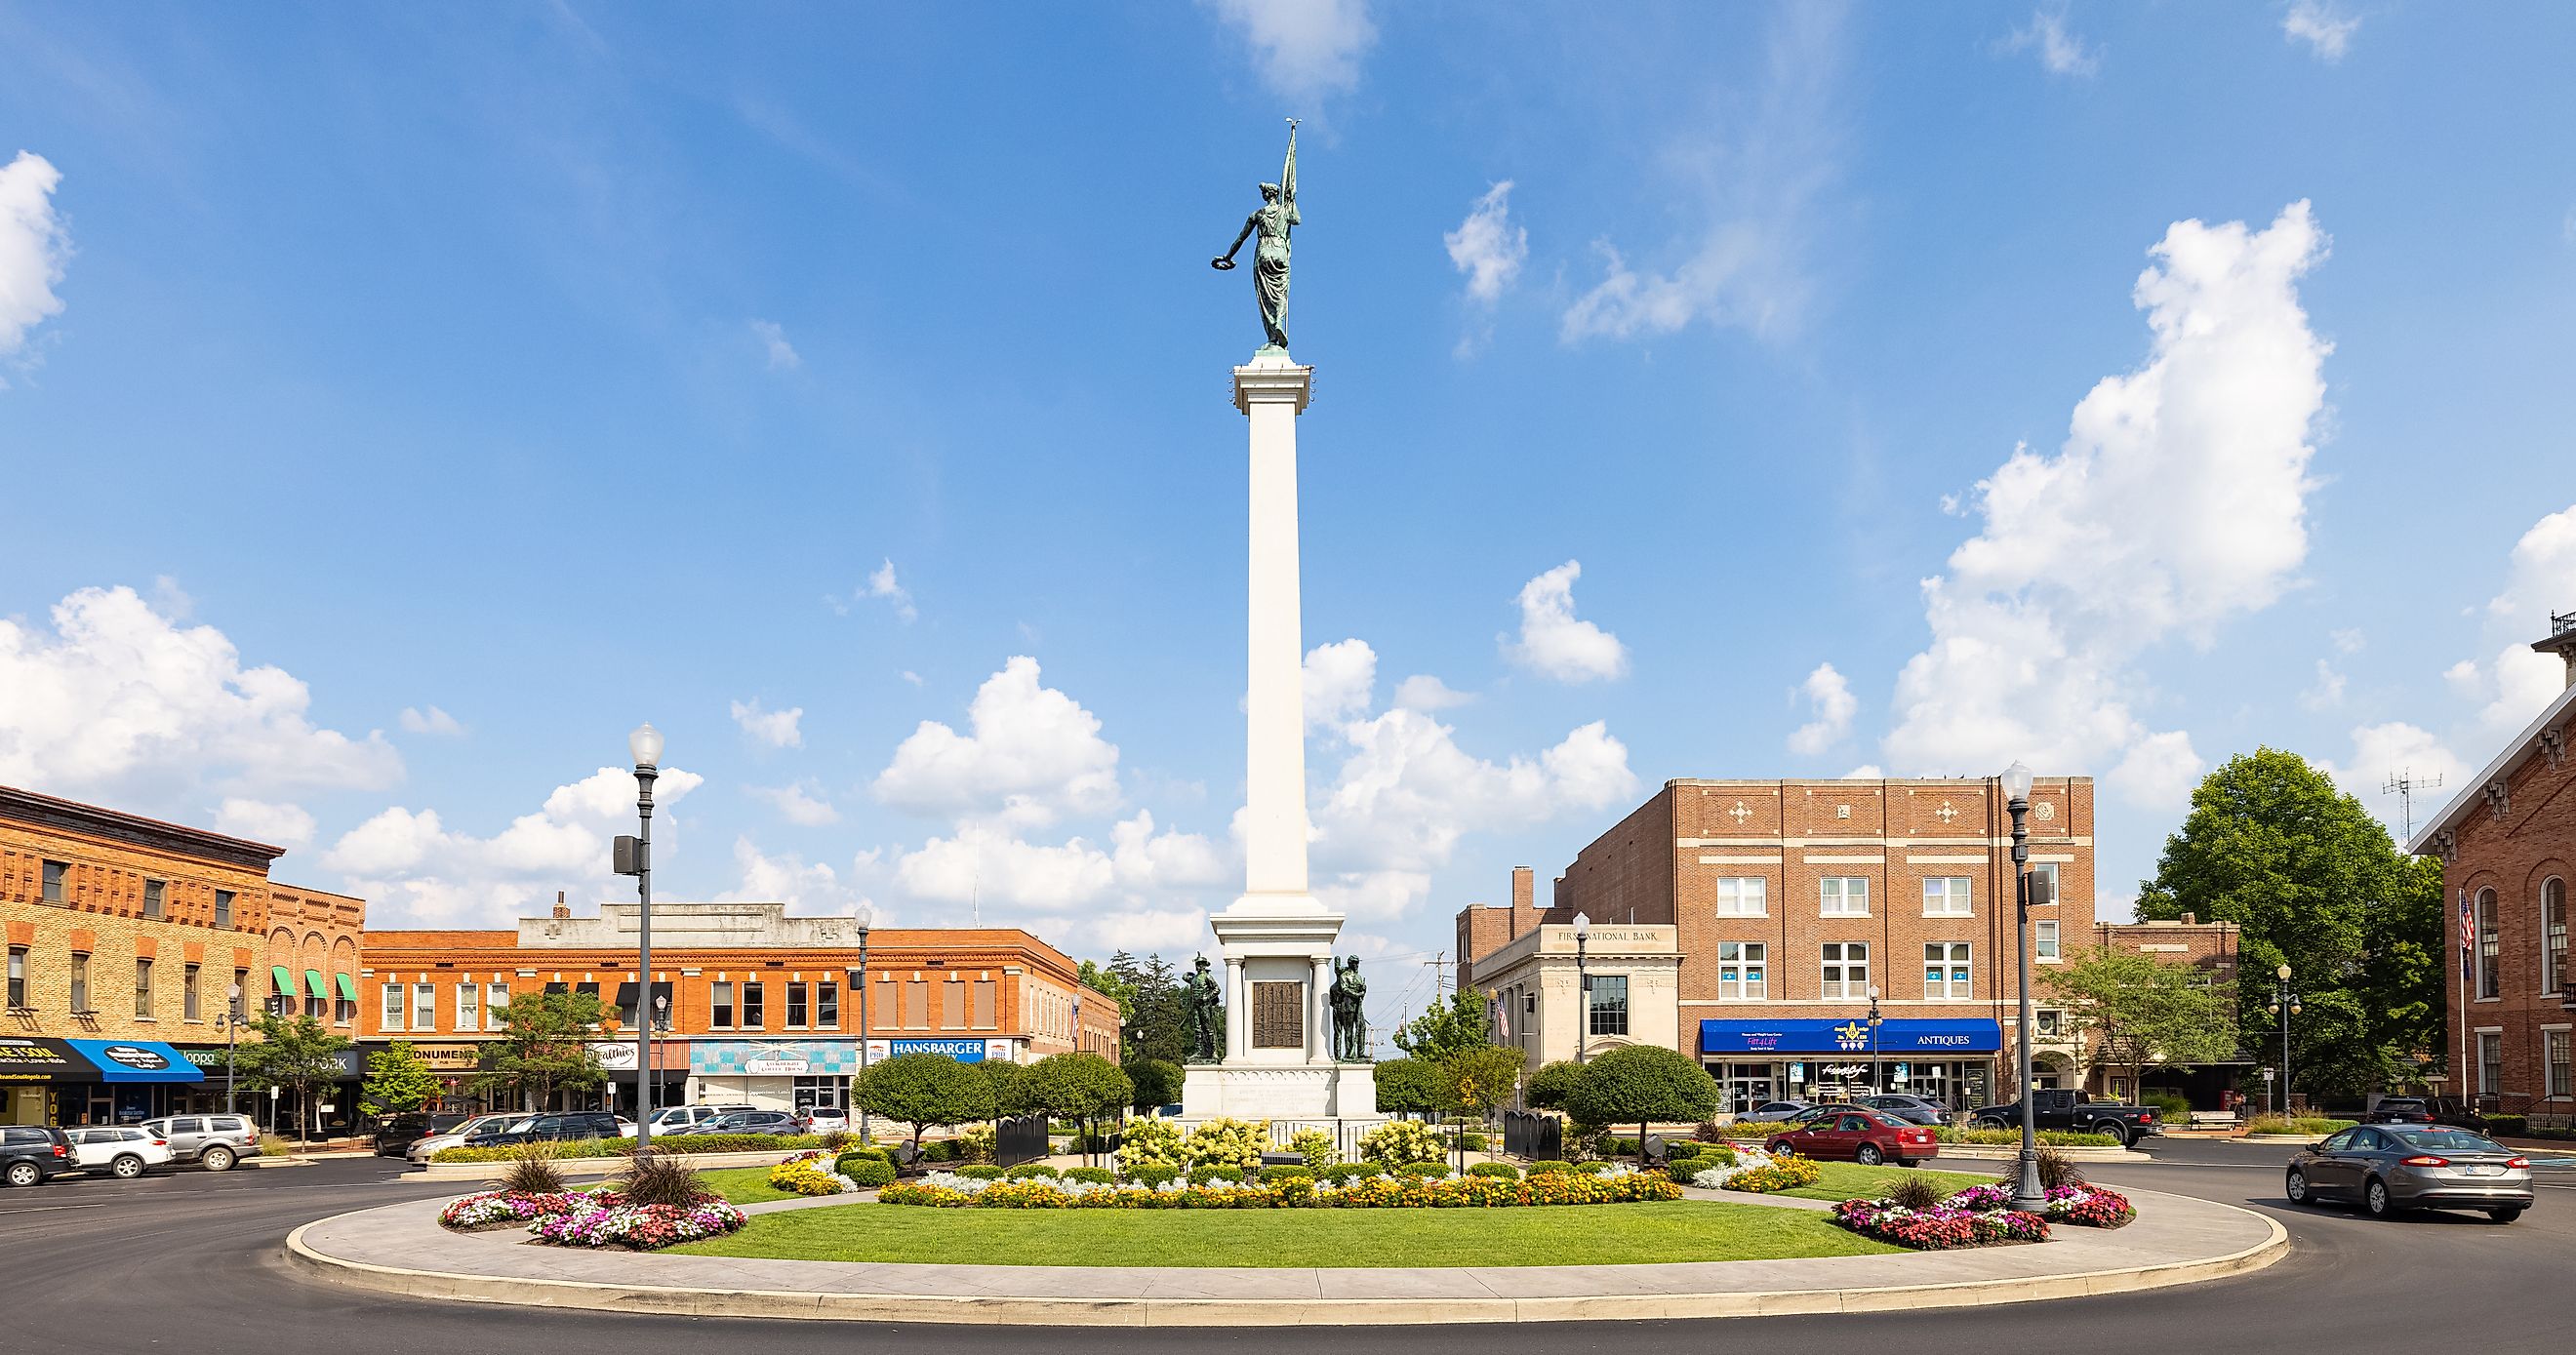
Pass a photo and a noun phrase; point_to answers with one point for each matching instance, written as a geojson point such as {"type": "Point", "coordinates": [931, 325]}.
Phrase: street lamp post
{"type": "Point", "coordinates": [859, 980]}
{"type": "Point", "coordinates": [1874, 1086]}
{"type": "Point", "coordinates": [2026, 1194]}
{"type": "Point", "coordinates": [233, 1024]}
{"type": "Point", "coordinates": [2285, 1004]}
{"type": "Point", "coordinates": [634, 856]}
{"type": "Point", "coordinates": [1582, 987]}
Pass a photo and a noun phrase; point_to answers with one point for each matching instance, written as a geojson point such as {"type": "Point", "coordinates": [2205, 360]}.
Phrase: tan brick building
{"type": "Point", "coordinates": [1788, 902]}
{"type": "Point", "coordinates": [761, 1007]}
{"type": "Point", "coordinates": [126, 937]}
{"type": "Point", "coordinates": [2508, 846]}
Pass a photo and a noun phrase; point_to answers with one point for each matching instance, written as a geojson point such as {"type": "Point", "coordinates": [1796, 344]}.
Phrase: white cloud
{"type": "Point", "coordinates": [1553, 642]}
{"type": "Point", "coordinates": [1145, 859]}
{"type": "Point", "coordinates": [2382, 751]}
{"type": "Point", "coordinates": [117, 703]}
{"type": "Point", "coordinates": [34, 246]}
{"type": "Point", "coordinates": [2327, 32]}
{"type": "Point", "coordinates": [801, 804]}
{"type": "Point", "coordinates": [2326, 692]}
{"type": "Point", "coordinates": [773, 341]}
{"type": "Point", "coordinates": [431, 721]}
{"type": "Point", "coordinates": [983, 864]}
{"type": "Point", "coordinates": [880, 585]}
{"type": "Point", "coordinates": [1832, 700]}
{"type": "Point", "coordinates": [272, 822]}
{"type": "Point", "coordinates": [2177, 502]}
{"type": "Point", "coordinates": [1424, 692]}
{"type": "Point", "coordinates": [2348, 640]}
{"type": "Point", "coordinates": [1306, 49]}
{"type": "Point", "coordinates": [1487, 247]}
{"type": "Point", "coordinates": [413, 870]}
{"type": "Point", "coordinates": [910, 676]}
{"type": "Point", "coordinates": [777, 728]}
{"type": "Point", "coordinates": [1407, 793]}
{"type": "Point", "coordinates": [1338, 681]}
{"type": "Point", "coordinates": [2513, 686]}
{"type": "Point", "coordinates": [1032, 753]}
{"type": "Point", "coordinates": [2060, 51]}
{"type": "Point", "coordinates": [1754, 194]}
{"type": "Point", "coordinates": [2159, 771]}
{"type": "Point", "coordinates": [1867, 771]}
{"type": "Point", "coordinates": [806, 888]}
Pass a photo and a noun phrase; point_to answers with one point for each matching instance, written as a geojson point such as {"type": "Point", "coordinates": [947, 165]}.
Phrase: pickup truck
{"type": "Point", "coordinates": [2057, 1108]}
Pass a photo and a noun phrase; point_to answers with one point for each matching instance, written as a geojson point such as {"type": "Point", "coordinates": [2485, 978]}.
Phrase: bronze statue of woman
{"type": "Point", "coordinates": [1276, 217]}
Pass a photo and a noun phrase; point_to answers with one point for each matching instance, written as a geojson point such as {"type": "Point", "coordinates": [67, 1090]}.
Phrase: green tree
{"type": "Point", "coordinates": [1082, 1087]}
{"type": "Point", "coordinates": [293, 1052]}
{"type": "Point", "coordinates": [398, 1081]}
{"type": "Point", "coordinates": [1553, 1084]}
{"type": "Point", "coordinates": [1408, 1087]}
{"type": "Point", "coordinates": [1157, 1083]}
{"type": "Point", "coordinates": [2314, 882]}
{"type": "Point", "coordinates": [1640, 1083]}
{"type": "Point", "coordinates": [1149, 1003]}
{"type": "Point", "coordinates": [1447, 1028]}
{"type": "Point", "coordinates": [1478, 1081]}
{"type": "Point", "coordinates": [1010, 1083]}
{"type": "Point", "coordinates": [922, 1090]}
{"type": "Point", "coordinates": [544, 1048]}
{"type": "Point", "coordinates": [2139, 1011]}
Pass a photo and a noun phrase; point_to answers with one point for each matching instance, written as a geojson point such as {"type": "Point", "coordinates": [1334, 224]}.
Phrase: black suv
{"type": "Point", "coordinates": [751, 1122]}
{"type": "Point", "coordinates": [395, 1134]}
{"type": "Point", "coordinates": [32, 1153]}
{"type": "Point", "coordinates": [551, 1128]}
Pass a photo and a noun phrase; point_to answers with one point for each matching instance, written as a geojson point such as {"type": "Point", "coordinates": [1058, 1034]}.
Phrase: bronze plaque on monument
{"type": "Point", "coordinates": [1278, 1016]}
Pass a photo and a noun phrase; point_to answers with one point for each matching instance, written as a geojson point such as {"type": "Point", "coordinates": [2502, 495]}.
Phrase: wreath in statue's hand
{"type": "Point", "coordinates": [1221, 264]}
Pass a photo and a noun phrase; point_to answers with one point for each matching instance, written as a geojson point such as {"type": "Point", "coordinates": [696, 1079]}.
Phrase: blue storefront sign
{"type": "Point", "coordinates": [1850, 1036]}
{"type": "Point", "coordinates": [964, 1051]}
{"type": "Point", "coordinates": [137, 1061]}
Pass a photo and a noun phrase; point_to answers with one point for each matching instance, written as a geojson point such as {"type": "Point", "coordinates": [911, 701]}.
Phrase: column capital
{"type": "Point", "coordinates": [1272, 380]}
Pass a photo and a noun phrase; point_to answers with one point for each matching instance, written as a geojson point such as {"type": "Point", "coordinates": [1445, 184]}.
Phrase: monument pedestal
{"type": "Point", "coordinates": [1278, 1061]}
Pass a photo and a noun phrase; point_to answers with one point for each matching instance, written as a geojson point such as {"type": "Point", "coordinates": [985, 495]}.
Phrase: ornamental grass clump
{"type": "Point", "coordinates": [532, 1171]}
{"type": "Point", "coordinates": [660, 1178]}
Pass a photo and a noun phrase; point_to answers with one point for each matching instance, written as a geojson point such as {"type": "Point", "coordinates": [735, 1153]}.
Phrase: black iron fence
{"type": "Point", "coordinates": [1526, 1133]}
{"type": "Point", "coordinates": [1018, 1139]}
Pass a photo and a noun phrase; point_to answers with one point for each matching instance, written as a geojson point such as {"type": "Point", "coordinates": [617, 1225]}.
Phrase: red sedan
{"type": "Point", "coordinates": [1850, 1134]}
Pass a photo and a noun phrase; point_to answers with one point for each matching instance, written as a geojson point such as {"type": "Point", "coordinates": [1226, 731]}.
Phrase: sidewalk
{"type": "Point", "coordinates": [400, 1249]}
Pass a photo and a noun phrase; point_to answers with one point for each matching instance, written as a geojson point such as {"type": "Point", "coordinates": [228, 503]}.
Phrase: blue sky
{"type": "Point", "coordinates": [445, 399]}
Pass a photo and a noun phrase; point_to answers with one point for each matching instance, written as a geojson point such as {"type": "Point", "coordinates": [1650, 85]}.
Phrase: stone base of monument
{"type": "Point", "coordinates": [1315, 1091]}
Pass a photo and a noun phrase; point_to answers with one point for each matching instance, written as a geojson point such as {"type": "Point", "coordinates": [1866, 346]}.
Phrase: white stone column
{"type": "Point", "coordinates": [1319, 1010]}
{"type": "Point", "coordinates": [1238, 1011]}
{"type": "Point", "coordinates": [1272, 392]}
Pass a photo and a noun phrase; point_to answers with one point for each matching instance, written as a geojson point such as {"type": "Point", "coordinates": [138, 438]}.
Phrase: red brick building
{"type": "Point", "coordinates": [2507, 842]}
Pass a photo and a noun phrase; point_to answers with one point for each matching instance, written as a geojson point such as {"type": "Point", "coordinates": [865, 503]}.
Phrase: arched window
{"type": "Point", "coordinates": [2490, 982]}
{"type": "Point", "coordinates": [2553, 934]}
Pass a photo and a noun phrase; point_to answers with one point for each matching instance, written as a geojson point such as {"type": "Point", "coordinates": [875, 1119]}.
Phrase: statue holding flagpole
{"type": "Point", "coordinates": [1272, 222]}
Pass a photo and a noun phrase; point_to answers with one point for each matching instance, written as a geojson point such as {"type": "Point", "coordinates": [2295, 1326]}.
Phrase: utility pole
{"type": "Point", "coordinates": [1439, 975]}
{"type": "Point", "coordinates": [2403, 784]}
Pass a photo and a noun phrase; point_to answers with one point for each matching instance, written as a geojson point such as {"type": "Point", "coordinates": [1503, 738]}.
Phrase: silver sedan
{"type": "Point", "coordinates": [2389, 1168]}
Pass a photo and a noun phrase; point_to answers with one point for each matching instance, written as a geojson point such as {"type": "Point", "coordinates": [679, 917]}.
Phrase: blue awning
{"type": "Point", "coordinates": [137, 1061]}
{"type": "Point", "coordinates": [1849, 1035]}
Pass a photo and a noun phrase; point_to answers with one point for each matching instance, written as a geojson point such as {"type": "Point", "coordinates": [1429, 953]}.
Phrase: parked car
{"type": "Point", "coordinates": [2062, 1108]}
{"type": "Point", "coordinates": [2400, 1110]}
{"type": "Point", "coordinates": [419, 1149]}
{"type": "Point", "coordinates": [33, 1153]}
{"type": "Point", "coordinates": [554, 1127]}
{"type": "Point", "coordinates": [686, 1119]}
{"type": "Point", "coordinates": [1913, 1109]}
{"type": "Point", "coordinates": [1855, 1134]}
{"type": "Point", "coordinates": [214, 1142]}
{"type": "Point", "coordinates": [122, 1151]}
{"type": "Point", "coordinates": [395, 1134]}
{"type": "Point", "coordinates": [2387, 1169]}
{"type": "Point", "coordinates": [752, 1122]}
{"type": "Point", "coordinates": [825, 1119]}
{"type": "Point", "coordinates": [1770, 1111]}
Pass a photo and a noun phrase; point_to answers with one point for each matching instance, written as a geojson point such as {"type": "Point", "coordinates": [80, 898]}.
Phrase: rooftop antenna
{"type": "Point", "coordinates": [2403, 784]}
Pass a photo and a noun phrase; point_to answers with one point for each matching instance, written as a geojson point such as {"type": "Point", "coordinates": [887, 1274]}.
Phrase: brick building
{"type": "Point", "coordinates": [2211, 948]}
{"type": "Point", "coordinates": [2508, 846]}
{"type": "Point", "coordinates": [752, 1006]}
{"type": "Point", "coordinates": [1786, 903]}
{"type": "Point", "coordinates": [127, 938]}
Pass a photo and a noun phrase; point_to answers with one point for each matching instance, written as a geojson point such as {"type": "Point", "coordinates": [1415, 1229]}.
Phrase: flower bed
{"type": "Point", "coordinates": [2084, 1206]}
{"type": "Point", "coordinates": [1760, 1173]}
{"type": "Point", "coordinates": [1943, 1227]}
{"type": "Point", "coordinates": [810, 1173]}
{"type": "Point", "coordinates": [945, 1190]}
{"type": "Point", "coordinates": [502, 1208]}
{"type": "Point", "coordinates": [639, 1227]}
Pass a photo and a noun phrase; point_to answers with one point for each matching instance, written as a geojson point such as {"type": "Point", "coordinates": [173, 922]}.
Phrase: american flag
{"type": "Point", "coordinates": [2468, 924]}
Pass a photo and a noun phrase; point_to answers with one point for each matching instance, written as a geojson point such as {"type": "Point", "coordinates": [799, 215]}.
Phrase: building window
{"type": "Point", "coordinates": [1945, 969]}
{"type": "Point", "coordinates": [2043, 884]}
{"type": "Point", "coordinates": [1946, 896]}
{"type": "Point", "coordinates": [796, 1009]}
{"type": "Point", "coordinates": [2052, 1023]}
{"type": "Point", "coordinates": [2553, 934]}
{"type": "Point", "coordinates": [1743, 896]}
{"type": "Point", "coordinates": [344, 1010]}
{"type": "Point", "coordinates": [1609, 1005]}
{"type": "Point", "coordinates": [468, 1005]}
{"type": "Point", "coordinates": [188, 1010]}
{"type": "Point", "coordinates": [2491, 1063]}
{"type": "Point", "coordinates": [152, 900]}
{"type": "Point", "coordinates": [17, 978]}
{"type": "Point", "coordinates": [827, 1006]}
{"type": "Point", "coordinates": [223, 910]}
{"type": "Point", "coordinates": [240, 997]}
{"type": "Point", "coordinates": [496, 1003]}
{"type": "Point", "coordinates": [1846, 969]}
{"type": "Point", "coordinates": [1742, 974]}
{"type": "Point", "coordinates": [916, 1007]}
{"type": "Point", "coordinates": [2490, 977]}
{"type": "Point", "coordinates": [393, 1009]}
{"type": "Point", "coordinates": [2044, 944]}
{"type": "Point", "coordinates": [55, 871]}
{"type": "Point", "coordinates": [143, 989]}
{"type": "Point", "coordinates": [1844, 895]}
{"type": "Point", "coordinates": [80, 985]}
{"type": "Point", "coordinates": [753, 1018]}
{"type": "Point", "coordinates": [720, 1006]}
{"type": "Point", "coordinates": [424, 1007]}
{"type": "Point", "coordinates": [988, 996]}
{"type": "Point", "coordinates": [2554, 1053]}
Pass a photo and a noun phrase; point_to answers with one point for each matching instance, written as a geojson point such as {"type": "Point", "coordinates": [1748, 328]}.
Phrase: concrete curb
{"type": "Point", "coordinates": [986, 1309]}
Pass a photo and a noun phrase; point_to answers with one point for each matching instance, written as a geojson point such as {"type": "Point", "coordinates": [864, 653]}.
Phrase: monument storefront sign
{"type": "Point", "coordinates": [450, 1058]}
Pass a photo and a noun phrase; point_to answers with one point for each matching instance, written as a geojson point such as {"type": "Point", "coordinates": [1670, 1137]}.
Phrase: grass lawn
{"type": "Point", "coordinates": [1852, 1181]}
{"type": "Point", "coordinates": [1553, 1235]}
{"type": "Point", "coordinates": [744, 1185]}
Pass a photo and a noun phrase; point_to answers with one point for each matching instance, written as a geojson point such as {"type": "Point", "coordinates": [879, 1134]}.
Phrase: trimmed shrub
{"type": "Point", "coordinates": [2170, 1107]}
{"type": "Point", "coordinates": [974, 1143]}
{"type": "Point", "coordinates": [2516, 1125]}
{"type": "Point", "coordinates": [1209, 1176]}
{"type": "Point", "coordinates": [1154, 1174]}
{"type": "Point", "coordinates": [981, 1171]}
{"type": "Point", "coordinates": [1429, 1171]}
{"type": "Point", "coordinates": [1151, 1143]}
{"type": "Point", "coordinates": [1097, 1176]}
{"type": "Point", "coordinates": [1471, 1141]}
{"type": "Point", "coordinates": [1226, 1142]}
{"type": "Point", "coordinates": [863, 1150]}
{"type": "Point", "coordinates": [1034, 1171]}
{"type": "Point", "coordinates": [1594, 1168]}
{"type": "Point", "coordinates": [1500, 1171]}
{"type": "Point", "coordinates": [1272, 1176]}
{"type": "Point", "coordinates": [1548, 1166]}
{"type": "Point", "coordinates": [1401, 1141]}
{"type": "Point", "coordinates": [867, 1173]}
{"type": "Point", "coordinates": [939, 1150]}
{"type": "Point", "coordinates": [2006, 1138]}
{"type": "Point", "coordinates": [1315, 1146]}
{"type": "Point", "coordinates": [1343, 1173]}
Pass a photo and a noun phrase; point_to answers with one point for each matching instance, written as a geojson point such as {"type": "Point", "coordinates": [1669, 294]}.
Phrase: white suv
{"type": "Point", "coordinates": [215, 1142]}
{"type": "Point", "coordinates": [124, 1152]}
{"type": "Point", "coordinates": [686, 1119]}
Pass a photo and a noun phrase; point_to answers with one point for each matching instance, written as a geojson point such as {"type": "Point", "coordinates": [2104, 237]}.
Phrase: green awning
{"type": "Point", "coordinates": [348, 988]}
{"type": "Point", "coordinates": [313, 979]}
{"type": "Point", "coordinates": [285, 981]}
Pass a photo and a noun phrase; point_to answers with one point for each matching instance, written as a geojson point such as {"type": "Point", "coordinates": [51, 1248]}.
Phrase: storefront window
{"type": "Point", "coordinates": [1609, 1004]}
{"type": "Point", "coordinates": [1945, 969]}
{"type": "Point", "coordinates": [1846, 969]}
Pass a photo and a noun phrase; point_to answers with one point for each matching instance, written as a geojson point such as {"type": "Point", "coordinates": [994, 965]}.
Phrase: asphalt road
{"type": "Point", "coordinates": [190, 1263]}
